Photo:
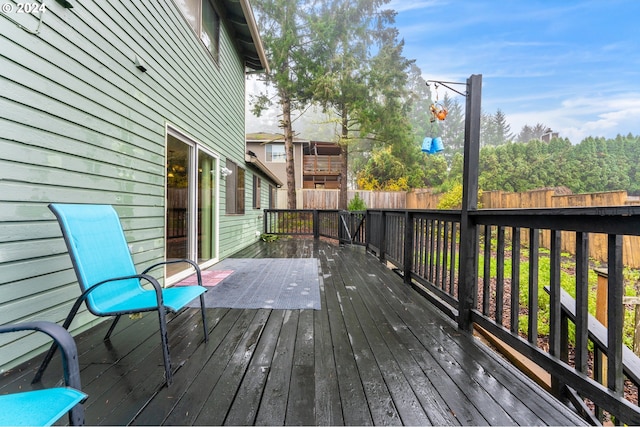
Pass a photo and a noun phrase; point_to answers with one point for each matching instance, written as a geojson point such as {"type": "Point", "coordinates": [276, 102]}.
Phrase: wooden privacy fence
{"type": "Point", "coordinates": [328, 199]}
{"type": "Point", "coordinates": [560, 197]}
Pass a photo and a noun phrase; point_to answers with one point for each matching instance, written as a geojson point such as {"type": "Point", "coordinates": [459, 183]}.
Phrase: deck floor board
{"type": "Point", "coordinates": [376, 353]}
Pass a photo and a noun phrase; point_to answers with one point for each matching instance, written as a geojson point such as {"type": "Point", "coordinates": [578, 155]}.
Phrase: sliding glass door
{"type": "Point", "coordinates": [191, 205]}
{"type": "Point", "coordinates": [206, 221]}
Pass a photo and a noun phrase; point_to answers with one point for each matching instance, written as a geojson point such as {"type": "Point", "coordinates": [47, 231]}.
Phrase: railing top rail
{"type": "Point", "coordinates": [574, 210]}
{"type": "Point", "coordinates": [571, 210]}
{"type": "Point", "coordinates": [622, 220]}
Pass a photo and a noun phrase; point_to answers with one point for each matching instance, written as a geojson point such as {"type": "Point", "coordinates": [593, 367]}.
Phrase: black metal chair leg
{"type": "Point", "coordinates": [204, 319]}
{"type": "Point", "coordinates": [45, 363]}
{"type": "Point", "coordinates": [113, 326]}
{"type": "Point", "coordinates": [54, 346]}
{"type": "Point", "coordinates": [165, 346]}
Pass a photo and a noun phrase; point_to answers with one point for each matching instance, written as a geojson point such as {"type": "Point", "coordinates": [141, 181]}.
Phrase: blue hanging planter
{"type": "Point", "coordinates": [426, 144]}
{"type": "Point", "coordinates": [436, 145]}
{"type": "Point", "coordinates": [432, 145]}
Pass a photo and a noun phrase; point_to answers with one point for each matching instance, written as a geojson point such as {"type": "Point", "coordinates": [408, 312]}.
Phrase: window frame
{"type": "Point", "coordinates": [280, 156]}
{"type": "Point", "coordinates": [235, 189]}
{"type": "Point", "coordinates": [198, 29]}
{"type": "Point", "coordinates": [257, 191]}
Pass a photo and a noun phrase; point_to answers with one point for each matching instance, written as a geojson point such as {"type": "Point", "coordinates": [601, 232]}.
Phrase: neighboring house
{"type": "Point", "coordinates": [317, 164]}
{"type": "Point", "coordinates": [137, 104]}
{"type": "Point", "coordinates": [322, 162]}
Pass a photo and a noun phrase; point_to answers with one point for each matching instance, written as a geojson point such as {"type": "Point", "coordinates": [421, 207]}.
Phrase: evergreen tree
{"type": "Point", "coordinates": [362, 90]}
{"type": "Point", "coordinates": [487, 130]}
{"type": "Point", "coordinates": [503, 132]}
{"type": "Point", "coordinates": [419, 95]}
{"type": "Point", "coordinates": [452, 128]}
{"type": "Point", "coordinates": [285, 36]}
{"type": "Point", "coordinates": [528, 133]}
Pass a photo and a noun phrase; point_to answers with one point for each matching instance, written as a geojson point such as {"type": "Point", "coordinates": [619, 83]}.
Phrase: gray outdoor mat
{"type": "Point", "coordinates": [277, 283]}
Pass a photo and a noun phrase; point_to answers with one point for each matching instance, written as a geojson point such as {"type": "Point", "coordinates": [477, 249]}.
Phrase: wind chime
{"type": "Point", "coordinates": [433, 145]}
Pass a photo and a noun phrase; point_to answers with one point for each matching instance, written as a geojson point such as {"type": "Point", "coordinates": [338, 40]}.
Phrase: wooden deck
{"type": "Point", "coordinates": [377, 353]}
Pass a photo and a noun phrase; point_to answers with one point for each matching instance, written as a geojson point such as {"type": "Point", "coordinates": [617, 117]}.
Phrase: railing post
{"type": "Point", "coordinates": [408, 246]}
{"type": "Point", "coordinates": [316, 224]}
{"type": "Point", "coordinates": [383, 235]}
{"type": "Point", "coordinates": [468, 282]}
{"type": "Point", "coordinates": [264, 221]}
{"type": "Point", "coordinates": [615, 379]}
{"type": "Point", "coordinates": [367, 230]}
{"type": "Point", "coordinates": [555, 310]}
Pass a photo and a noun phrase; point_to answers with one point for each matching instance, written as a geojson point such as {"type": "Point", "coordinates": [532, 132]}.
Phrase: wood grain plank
{"type": "Point", "coordinates": [355, 408]}
{"type": "Point", "coordinates": [245, 406]}
{"type": "Point", "coordinates": [272, 409]}
{"type": "Point", "coordinates": [192, 401]}
{"type": "Point", "coordinates": [404, 399]}
{"type": "Point", "coordinates": [221, 398]}
{"type": "Point", "coordinates": [301, 400]}
{"type": "Point", "coordinates": [222, 321]}
{"type": "Point", "coordinates": [381, 405]}
{"type": "Point", "coordinates": [327, 393]}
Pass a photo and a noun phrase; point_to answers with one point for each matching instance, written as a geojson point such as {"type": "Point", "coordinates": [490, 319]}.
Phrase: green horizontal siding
{"type": "Point", "coordinates": [80, 123]}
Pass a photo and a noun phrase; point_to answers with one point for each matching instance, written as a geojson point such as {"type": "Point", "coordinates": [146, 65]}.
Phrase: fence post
{"type": "Point", "coordinates": [408, 246]}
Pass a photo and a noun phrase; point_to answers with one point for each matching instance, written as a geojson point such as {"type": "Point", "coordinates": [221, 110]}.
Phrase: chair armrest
{"type": "Point", "coordinates": [76, 306]}
{"type": "Point", "coordinates": [176, 261]}
{"type": "Point", "coordinates": [64, 340]}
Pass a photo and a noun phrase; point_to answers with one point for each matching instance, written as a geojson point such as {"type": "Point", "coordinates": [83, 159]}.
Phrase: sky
{"type": "Point", "coordinates": [571, 65]}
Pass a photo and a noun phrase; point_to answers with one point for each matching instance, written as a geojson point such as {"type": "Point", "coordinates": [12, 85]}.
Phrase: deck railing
{"type": "Point", "coordinates": [499, 289]}
{"type": "Point", "coordinates": [346, 227]}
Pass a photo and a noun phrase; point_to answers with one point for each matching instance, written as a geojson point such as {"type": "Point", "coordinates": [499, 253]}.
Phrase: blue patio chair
{"type": "Point", "coordinates": [46, 406]}
{"type": "Point", "coordinates": [108, 280]}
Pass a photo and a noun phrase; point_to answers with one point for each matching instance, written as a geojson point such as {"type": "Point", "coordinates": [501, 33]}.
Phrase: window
{"type": "Point", "coordinates": [257, 191]}
{"type": "Point", "coordinates": [205, 21]}
{"type": "Point", "coordinates": [272, 197]}
{"type": "Point", "coordinates": [235, 189]}
{"type": "Point", "coordinates": [276, 153]}
{"type": "Point", "coordinates": [210, 33]}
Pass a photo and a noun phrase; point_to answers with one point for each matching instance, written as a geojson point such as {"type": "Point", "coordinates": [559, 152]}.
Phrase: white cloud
{"type": "Point", "coordinates": [404, 6]}
{"type": "Point", "coordinates": [578, 118]}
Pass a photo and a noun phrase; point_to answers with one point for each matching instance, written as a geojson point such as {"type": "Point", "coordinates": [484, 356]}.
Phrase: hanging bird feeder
{"type": "Point", "coordinates": [438, 111]}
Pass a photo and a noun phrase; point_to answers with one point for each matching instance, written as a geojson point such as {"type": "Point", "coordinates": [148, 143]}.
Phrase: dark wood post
{"type": "Point", "coordinates": [383, 236]}
{"type": "Point", "coordinates": [468, 233]}
{"type": "Point", "coordinates": [408, 246]}
{"type": "Point", "coordinates": [555, 309]}
{"type": "Point", "coordinates": [615, 316]}
{"type": "Point", "coordinates": [316, 224]}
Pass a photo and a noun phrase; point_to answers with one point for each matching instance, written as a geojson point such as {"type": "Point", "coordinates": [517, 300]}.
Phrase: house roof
{"type": "Point", "coordinates": [324, 148]}
{"type": "Point", "coordinates": [240, 15]}
{"type": "Point", "coordinates": [251, 158]}
{"type": "Point", "coordinates": [267, 138]}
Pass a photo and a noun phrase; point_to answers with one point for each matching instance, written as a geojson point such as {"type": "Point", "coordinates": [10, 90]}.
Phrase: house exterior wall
{"type": "Point", "coordinates": [79, 123]}
{"type": "Point", "coordinates": [280, 169]}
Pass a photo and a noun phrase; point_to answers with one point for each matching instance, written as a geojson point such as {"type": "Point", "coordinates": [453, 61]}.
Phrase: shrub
{"type": "Point", "coordinates": [269, 237]}
{"type": "Point", "coordinates": [452, 199]}
{"type": "Point", "coordinates": [356, 204]}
